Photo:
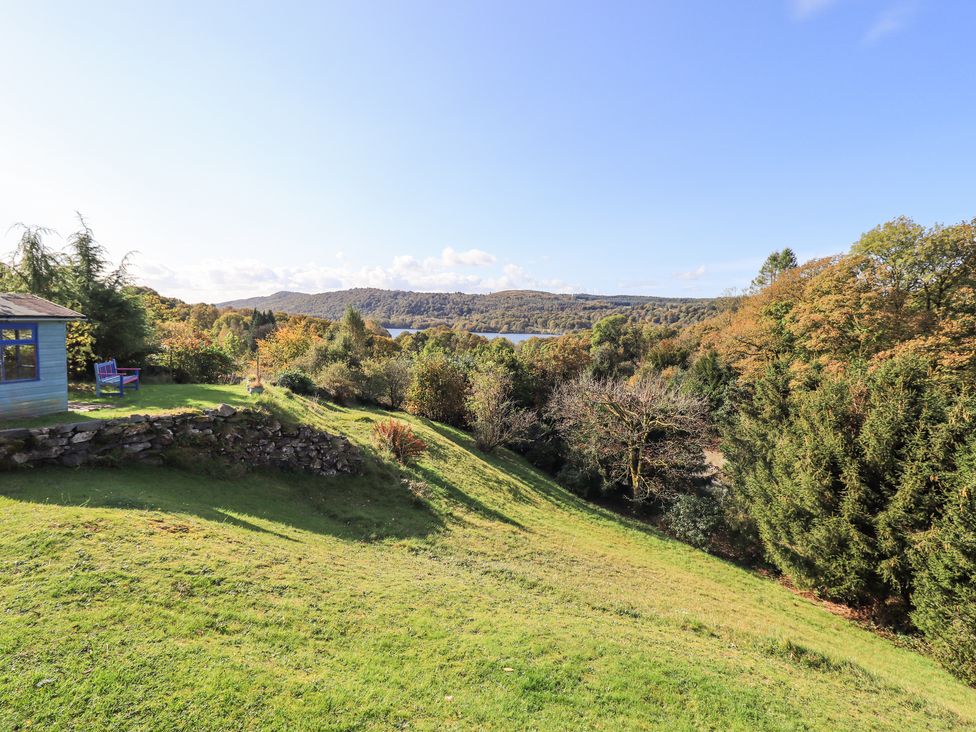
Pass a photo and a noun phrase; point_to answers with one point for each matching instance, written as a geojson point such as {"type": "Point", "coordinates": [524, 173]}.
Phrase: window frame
{"type": "Point", "coordinates": [32, 341]}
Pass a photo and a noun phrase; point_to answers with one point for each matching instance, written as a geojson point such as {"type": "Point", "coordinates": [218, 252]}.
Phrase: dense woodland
{"type": "Point", "coordinates": [839, 391]}
{"type": "Point", "coordinates": [512, 311]}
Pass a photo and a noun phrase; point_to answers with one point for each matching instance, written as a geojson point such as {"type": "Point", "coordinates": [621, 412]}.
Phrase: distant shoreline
{"type": "Point", "coordinates": [513, 337]}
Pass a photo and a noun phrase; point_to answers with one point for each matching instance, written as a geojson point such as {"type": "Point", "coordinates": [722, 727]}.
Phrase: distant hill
{"type": "Point", "coordinates": [510, 311]}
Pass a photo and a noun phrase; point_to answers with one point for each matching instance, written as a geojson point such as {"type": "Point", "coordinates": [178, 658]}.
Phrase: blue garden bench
{"type": "Point", "coordinates": [108, 374]}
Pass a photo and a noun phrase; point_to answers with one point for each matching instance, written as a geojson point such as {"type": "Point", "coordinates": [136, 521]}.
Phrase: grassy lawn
{"type": "Point", "coordinates": [150, 399]}
{"type": "Point", "coordinates": [150, 599]}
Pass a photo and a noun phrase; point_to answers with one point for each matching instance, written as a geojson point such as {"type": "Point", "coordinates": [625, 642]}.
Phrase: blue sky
{"type": "Point", "coordinates": [611, 147]}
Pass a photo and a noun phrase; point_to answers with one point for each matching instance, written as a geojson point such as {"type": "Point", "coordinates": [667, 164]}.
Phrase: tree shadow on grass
{"type": "Point", "coordinates": [545, 487]}
{"type": "Point", "coordinates": [364, 508]}
{"type": "Point", "coordinates": [293, 408]}
{"type": "Point", "coordinates": [465, 442]}
{"type": "Point", "coordinates": [548, 489]}
{"type": "Point", "coordinates": [469, 502]}
{"type": "Point", "coordinates": [209, 514]}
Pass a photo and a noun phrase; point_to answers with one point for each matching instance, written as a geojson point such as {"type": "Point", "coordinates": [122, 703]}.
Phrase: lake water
{"type": "Point", "coordinates": [513, 337]}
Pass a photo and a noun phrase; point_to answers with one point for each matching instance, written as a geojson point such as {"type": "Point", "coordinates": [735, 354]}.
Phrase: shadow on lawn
{"type": "Point", "coordinates": [469, 502]}
{"type": "Point", "coordinates": [515, 467]}
{"type": "Point", "coordinates": [366, 508]}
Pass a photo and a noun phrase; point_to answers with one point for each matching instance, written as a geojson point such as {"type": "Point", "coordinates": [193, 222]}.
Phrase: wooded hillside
{"type": "Point", "coordinates": [511, 311]}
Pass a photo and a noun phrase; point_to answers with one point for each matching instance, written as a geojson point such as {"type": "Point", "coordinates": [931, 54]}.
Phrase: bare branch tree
{"type": "Point", "coordinates": [494, 418]}
{"type": "Point", "coordinates": [647, 435]}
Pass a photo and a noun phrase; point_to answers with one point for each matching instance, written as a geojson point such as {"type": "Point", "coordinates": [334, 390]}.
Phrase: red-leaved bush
{"type": "Point", "coordinates": [398, 439]}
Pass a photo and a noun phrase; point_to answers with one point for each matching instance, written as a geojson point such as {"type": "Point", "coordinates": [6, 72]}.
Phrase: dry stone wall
{"type": "Point", "coordinates": [247, 437]}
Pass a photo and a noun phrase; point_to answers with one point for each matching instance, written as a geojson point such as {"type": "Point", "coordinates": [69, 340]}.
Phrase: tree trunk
{"type": "Point", "coordinates": [635, 471]}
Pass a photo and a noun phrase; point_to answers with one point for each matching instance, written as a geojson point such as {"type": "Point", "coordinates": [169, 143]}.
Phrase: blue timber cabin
{"type": "Point", "coordinates": [33, 355]}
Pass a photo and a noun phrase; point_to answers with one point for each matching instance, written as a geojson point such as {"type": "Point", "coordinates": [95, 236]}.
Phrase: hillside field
{"type": "Point", "coordinates": [146, 598]}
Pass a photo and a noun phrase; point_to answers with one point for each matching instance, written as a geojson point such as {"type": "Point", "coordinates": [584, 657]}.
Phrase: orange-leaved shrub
{"type": "Point", "coordinates": [398, 439]}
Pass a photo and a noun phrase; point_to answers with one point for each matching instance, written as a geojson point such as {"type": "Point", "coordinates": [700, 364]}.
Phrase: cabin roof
{"type": "Point", "coordinates": [21, 306]}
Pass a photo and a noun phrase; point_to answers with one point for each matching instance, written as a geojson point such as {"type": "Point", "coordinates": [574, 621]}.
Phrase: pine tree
{"type": "Point", "coordinates": [945, 588]}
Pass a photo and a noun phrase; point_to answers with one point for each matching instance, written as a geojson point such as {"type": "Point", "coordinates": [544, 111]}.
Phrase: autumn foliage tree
{"type": "Point", "coordinates": [189, 355]}
{"type": "Point", "coordinates": [283, 346]}
{"type": "Point", "coordinates": [548, 362]}
{"type": "Point", "coordinates": [902, 288]}
{"type": "Point", "coordinates": [438, 389]}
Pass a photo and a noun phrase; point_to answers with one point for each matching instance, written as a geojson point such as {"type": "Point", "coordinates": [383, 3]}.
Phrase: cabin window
{"type": "Point", "coordinates": [18, 352]}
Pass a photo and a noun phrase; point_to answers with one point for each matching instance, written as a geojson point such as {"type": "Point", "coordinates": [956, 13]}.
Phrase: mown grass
{"type": "Point", "coordinates": [151, 398]}
{"type": "Point", "coordinates": [148, 598]}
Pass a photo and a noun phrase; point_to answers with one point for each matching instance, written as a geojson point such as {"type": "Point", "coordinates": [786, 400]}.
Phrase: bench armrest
{"type": "Point", "coordinates": [129, 369]}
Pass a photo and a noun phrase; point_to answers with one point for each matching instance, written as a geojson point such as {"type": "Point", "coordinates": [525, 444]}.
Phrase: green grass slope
{"type": "Point", "coordinates": [151, 599]}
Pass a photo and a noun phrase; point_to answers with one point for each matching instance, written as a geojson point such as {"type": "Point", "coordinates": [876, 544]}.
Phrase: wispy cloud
{"type": "Point", "coordinates": [469, 258]}
{"type": "Point", "coordinates": [894, 18]}
{"type": "Point", "coordinates": [891, 20]}
{"type": "Point", "coordinates": [215, 280]}
{"type": "Point", "coordinates": [805, 9]}
{"type": "Point", "coordinates": [694, 274]}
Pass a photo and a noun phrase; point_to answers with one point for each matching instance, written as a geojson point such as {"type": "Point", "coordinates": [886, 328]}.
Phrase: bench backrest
{"type": "Point", "coordinates": [106, 370]}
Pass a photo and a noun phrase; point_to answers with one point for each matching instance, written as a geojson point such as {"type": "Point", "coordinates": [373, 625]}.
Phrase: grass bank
{"type": "Point", "coordinates": [143, 598]}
